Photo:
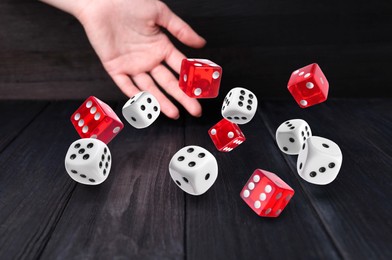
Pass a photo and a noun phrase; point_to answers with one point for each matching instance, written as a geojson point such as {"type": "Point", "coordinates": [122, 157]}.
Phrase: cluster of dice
{"type": "Point", "coordinates": [193, 168]}
{"type": "Point", "coordinates": [319, 159]}
{"type": "Point", "coordinates": [88, 160]}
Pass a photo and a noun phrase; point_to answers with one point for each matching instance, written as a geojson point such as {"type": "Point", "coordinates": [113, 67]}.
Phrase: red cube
{"type": "Point", "coordinates": [95, 119]}
{"type": "Point", "coordinates": [266, 193]}
{"type": "Point", "coordinates": [308, 86]}
{"type": "Point", "coordinates": [200, 78]}
{"type": "Point", "coordinates": [226, 135]}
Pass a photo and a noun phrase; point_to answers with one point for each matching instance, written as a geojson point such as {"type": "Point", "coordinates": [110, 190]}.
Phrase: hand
{"type": "Point", "coordinates": [126, 36]}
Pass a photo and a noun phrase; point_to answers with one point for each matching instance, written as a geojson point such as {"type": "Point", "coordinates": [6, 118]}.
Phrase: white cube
{"type": "Point", "coordinates": [141, 110]}
{"type": "Point", "coordinates": [319, 160]}
{"type": "Point", "coordinates": [193, 169]}
{"type": "Point", "coordinates": [239, 106]}
{"type": "Point", "coordinates": [88, 161]}
{"type": "Point", "coordinates": [291, 135]}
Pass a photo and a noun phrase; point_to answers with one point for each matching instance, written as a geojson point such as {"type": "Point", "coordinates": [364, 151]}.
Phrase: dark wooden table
{"type": "Point", "coordinates": [139, 213]}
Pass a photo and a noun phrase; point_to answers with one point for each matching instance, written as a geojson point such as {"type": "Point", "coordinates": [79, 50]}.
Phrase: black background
{"type": "Point", "coordinates": [44, 52]}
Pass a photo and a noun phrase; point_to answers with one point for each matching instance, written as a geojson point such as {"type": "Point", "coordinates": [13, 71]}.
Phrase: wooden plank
{"type": "Point", "coordinates": [294, 22]}
{"type": "Point", "coordinates": [219, 225]}
{"type": "Point", "coordinates": [36, 26]}
{"type": "Point", "coordinates": [45, 53]}
{"type": "Point", "coordinates": [33, 185]}
{"type": "Point", "coordinates": [349, 69]}
{"type": "Point", "coordinates": [55, 76]}
{"type": "Point", "coordinates": [140, 213]}
{"type": "Point", "coordinates": [355, 208]}
{"type": "Point", "coordinates": [137, 212]}
{"type": "Point", "coordinates": [61, 90]}
{"type": "Point", "coordinates": [192, 8]}
{"type": "Point", "coordinates": [15, 117]}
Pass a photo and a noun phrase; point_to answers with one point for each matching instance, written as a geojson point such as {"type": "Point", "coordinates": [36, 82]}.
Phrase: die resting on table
{"type": "Point", "coordinates": [96, 119]}
{"type": "Point", "coordinates": [200, 78]}
{"type": "Point", "coordinates": [308, 85]}
{"type": "Point", "coordinates": [266, 194]}
{"type": "Point", "coordinates": [88, 161]}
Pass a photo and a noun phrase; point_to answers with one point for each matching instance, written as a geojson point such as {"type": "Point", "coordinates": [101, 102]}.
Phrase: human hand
{"type": "Point", "coordinates": [127, 36]}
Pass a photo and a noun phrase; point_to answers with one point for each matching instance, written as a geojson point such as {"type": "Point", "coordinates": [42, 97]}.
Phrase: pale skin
{"type": "Point", "coordinates": [127, 37]}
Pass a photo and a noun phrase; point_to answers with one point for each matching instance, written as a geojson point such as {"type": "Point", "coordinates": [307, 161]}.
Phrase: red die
{"type": "Point", "coordinates": [226, 135]}
{"type": "Point", "coordinates": [308, 86]}
{"type": "Point", "coordinates": [95, 119]}
{"type": "Point", "coordinates": [266, 193]}
{"type": "Point", "coordinates": [200, 78]}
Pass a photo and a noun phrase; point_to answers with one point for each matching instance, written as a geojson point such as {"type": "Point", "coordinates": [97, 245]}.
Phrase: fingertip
{"type": "Point", "coordinates": [195, 109]}
{"type": "Point", "coordinates": [198, 42]}
{"type": "Point", "coordinates": [172, 113]}
{"type": "Point", "coordinates": [202, 43]}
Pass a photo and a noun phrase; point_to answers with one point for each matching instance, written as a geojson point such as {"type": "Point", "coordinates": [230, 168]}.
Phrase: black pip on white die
{"type": "Point", "coordinates": [239, 105]}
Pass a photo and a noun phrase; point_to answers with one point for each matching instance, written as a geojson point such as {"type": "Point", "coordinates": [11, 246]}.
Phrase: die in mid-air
{"type": "Point", "coordinates": [226, 135]}
{"type": "Point", "coordinates": [239, 105]}
{"type": "Point", "coordinates": [291, 134]}
{"type": "Point", "coordinates": [319, 160]}
{"type": "Point", "coordinates": [266, 194]}
{"type": "Point", "coordinates": [96, 119]}
{"type": "Point", "coordinates": [200, 78]}
{"type": "Point", "coordinates": [141, 110]}
{"type": "Point", "coordinates": [308, 85]}
{"type": "Point", "coordinates": [193, 169]}
{"type": "Point", "coordinates": [88, 161]}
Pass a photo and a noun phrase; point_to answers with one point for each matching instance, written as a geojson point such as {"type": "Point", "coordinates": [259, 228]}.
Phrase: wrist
{"type": "Point", "coordinates": [73, 7]}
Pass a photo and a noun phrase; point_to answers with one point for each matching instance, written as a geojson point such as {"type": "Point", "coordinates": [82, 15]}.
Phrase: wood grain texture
{"type": "Point", "coordinates": [45, 54]}
{"type": "Point", "coordinates": [221, 226]}
{"type": "Point", "coordinates": [355, 208]}
{"type": "Point", "coordinates": [16, 116]}
{"type": "Point", "coordinates": [140, 213]}
{"type": "Point", "coordinates": [34, 189]}
{"type": "Point", "coordinates": [137, 213]}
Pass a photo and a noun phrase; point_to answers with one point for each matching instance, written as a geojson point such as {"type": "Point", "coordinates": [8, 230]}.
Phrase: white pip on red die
{"type": "Point", "coordinates": [226, 135]}
{"type": "Point", "coordinates": [266, 194]}
{"type": "Point", "coordinates": [88, 161]}
{"type": "Point", "coordinates": [308, 85]}
{"type": "Point", "coordinates": [96, 119]}
{"type": "Point", "coordinates": [141, 110]}
{"type": "Point", "coordinates": [239, 105]}
{"type": "Point", "coordinates": [291, 134]}
{"type": "Point", "coordinates": [200, 78]}
{"type": "Point", "coordinates": [193, 169]}
{"type": "Point", "coordinates": [319, 160]}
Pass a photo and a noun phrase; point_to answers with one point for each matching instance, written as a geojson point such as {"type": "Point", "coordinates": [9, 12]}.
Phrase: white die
{"type": "Point", "coordinates": [141, 110]}
{"type": "Point", "coordinates": [239, 106]}
{"type": "Point", "coordinates": [193, 169]}
{"type": "Point", "coordinates": [88, 161]}
{"type": "Point", "coordinates": [319, 160]}
{"type": "Point", "coordinates": [291, 134]}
